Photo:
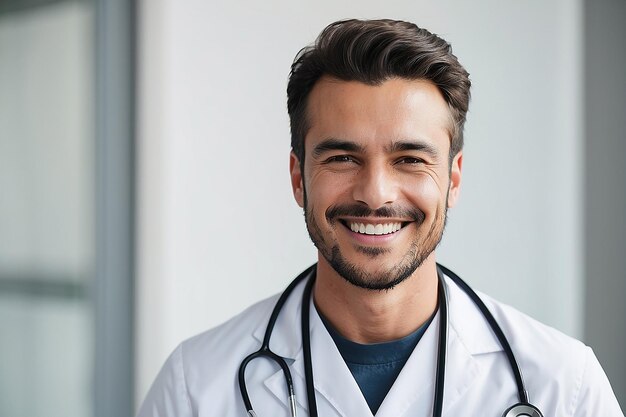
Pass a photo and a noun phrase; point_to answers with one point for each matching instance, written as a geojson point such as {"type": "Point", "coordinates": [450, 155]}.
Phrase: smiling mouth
{"type": "Point", "coordinates": [374, 229]}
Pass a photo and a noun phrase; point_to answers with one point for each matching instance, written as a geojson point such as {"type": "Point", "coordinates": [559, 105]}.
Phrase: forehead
{"type": "Point", "coordinates": [397, 109]}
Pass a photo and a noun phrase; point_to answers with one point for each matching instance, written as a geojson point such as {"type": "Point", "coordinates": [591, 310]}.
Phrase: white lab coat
{"type": "Point", "coordinates": [562, 375]}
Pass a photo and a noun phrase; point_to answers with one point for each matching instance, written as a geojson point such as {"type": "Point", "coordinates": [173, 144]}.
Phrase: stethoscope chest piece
{"type": "Point", "coordinates": [522, 410]}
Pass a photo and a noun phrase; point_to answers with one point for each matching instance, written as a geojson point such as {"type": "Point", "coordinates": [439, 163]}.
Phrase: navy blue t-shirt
{"type": "Point", "coordinates": [376, 366]}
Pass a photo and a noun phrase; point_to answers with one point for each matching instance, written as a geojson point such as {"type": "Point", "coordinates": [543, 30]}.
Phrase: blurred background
{"type": "Point", "coordinates": [145, 197]}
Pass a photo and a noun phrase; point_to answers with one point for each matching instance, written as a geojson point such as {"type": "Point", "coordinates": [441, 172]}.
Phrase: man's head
{"type": "Point", "coordinates": [377, 110]}
{"type": "Point", "coordinates": [371, 52]}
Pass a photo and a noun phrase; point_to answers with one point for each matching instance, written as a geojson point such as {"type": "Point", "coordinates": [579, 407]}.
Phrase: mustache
{"type": "Point", "coordinates": [358, 210]}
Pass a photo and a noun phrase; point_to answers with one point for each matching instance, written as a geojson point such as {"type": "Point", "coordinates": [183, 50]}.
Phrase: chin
{"type": "Point", "coordinates": [372, 273]}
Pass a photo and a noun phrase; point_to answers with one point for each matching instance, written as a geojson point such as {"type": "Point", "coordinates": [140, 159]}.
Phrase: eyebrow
{"type": "Point", "coordinates": [333, 144]}
{"type": "Point", "coordinates": [400, 146]}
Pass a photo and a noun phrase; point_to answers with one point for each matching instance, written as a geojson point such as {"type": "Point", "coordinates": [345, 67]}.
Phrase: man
{"type": "Point", "coordinates": [377, 110]}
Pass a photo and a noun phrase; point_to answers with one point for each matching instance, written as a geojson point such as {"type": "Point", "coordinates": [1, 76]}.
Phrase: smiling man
{"type": "Point", "coordinates": [377, 327]}
{"type": "Point", "coordinates": [375, 187]}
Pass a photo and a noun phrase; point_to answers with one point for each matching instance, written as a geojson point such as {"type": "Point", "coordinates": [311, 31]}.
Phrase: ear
{"type": "Point", "coordinates": [455, 179]}
{"type": "Point", "coordinates": [296, 179]}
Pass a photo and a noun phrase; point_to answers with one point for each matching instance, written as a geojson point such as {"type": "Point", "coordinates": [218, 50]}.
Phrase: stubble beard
{"type": "Point", "coordinates": [418, 252]}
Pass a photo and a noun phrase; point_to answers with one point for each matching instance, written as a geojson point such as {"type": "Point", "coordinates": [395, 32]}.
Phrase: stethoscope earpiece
{"type": "Point", "coordinates": [522, 410]}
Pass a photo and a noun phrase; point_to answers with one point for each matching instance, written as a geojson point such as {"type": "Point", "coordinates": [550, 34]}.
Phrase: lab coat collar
{"type": "Point", "coordinates": [413, 391]}
{"type": "Point", "coordinates": [466, 320]}
{"type": "Point", "coordinates": [286, 339]}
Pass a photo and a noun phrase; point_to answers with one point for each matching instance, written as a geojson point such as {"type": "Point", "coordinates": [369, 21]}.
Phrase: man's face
{"type": "Point", "coordinates": [376, 181]}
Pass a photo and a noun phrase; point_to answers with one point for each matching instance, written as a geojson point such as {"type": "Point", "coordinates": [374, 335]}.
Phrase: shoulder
{"type": "Point", "coordinates": [222, 348]}
{"type": "Point", "coordinates": [535, 341]}
{"type": "Point", "coordinates": [529, 338]}
{"type": "Point", "coordinates": [205, 363]}
{"type": "Point", "coordinates": [560, 372]}
{"type": "Point", "coordinates": [239, 328]}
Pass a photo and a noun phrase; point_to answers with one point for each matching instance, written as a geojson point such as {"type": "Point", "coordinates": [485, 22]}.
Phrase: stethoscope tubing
{"type": "Point", "coordinates": [306, 348]}
{"type": "Point", "coordinates": [497, 330]}
{"type": "Point", "coordinates": [523, 408]}
{"type": "Point", "coordinates": [440, 373]}
{"type": "Point", "coordinates": [441, 354]}
{"type": "Point", "coordinates": [265, 351]}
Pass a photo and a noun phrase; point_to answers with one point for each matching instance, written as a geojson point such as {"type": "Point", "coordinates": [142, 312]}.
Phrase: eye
{"type": "Point", "coordinates": [410, 160]}
{"type": "Point", "coordinates": [339, 159]}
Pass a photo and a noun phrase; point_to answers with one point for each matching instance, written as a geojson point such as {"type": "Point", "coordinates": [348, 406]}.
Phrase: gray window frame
{"type": "Point", "coordinates": [115, 51]}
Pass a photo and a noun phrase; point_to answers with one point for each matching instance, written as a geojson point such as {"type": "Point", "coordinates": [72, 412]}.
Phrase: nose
{"type": "Point", "coordinates": [375, 186]}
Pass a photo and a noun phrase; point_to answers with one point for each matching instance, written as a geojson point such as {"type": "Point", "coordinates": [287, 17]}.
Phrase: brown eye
{"type": "Point", "coordinates": [411, 161]}
{"type": "Point", "coordinates": [340, 158]}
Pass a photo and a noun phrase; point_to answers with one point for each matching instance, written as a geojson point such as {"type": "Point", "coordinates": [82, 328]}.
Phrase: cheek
{"type": "Point", "coordinates": [327, 186]}
{"type": "Point", "coordinates": [425, 193]}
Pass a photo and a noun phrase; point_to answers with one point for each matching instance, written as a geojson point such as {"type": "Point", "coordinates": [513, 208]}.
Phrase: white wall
{"type": "Point", "coordinates": [218, 228]}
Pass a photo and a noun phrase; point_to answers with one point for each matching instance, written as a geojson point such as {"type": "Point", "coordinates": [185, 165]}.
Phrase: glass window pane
{"type": "Point", "coordinates": [46, 347]}
{"type": "Point", "coordinates": [46, 210]}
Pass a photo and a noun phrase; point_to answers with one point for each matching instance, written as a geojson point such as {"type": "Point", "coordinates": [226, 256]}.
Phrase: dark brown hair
{"type": "Point", "coordinates": [371, 52]}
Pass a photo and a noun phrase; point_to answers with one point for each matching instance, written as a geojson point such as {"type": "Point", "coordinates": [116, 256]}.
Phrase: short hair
{"type": "Point", "coordinates": [371, 52]}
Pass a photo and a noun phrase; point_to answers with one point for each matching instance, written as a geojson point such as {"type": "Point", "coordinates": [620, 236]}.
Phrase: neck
{"type": "Point", "coordinates": [372, 316]}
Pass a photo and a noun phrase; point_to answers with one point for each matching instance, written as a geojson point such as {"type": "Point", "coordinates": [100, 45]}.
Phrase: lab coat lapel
{"type": "Point", "coordinates": [461, 371]}
{"type": "Point", "coordinates": [336, 389]}
{"type": "Point", "coordinates": [334, 382]}
{"type": "Point", "coordinates": [413, 391]}
{"type": "Point", "coordinates": [286, 341]}
{"type": "Point", "coordinates": [469, 335]}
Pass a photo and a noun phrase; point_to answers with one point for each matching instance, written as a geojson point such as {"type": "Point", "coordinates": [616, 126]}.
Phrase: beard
{"type": "Point", "coordinates": [422, 245]}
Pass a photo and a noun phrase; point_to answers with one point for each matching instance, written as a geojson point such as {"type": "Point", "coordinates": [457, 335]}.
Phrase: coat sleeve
{"type": "Point", "coordinates": [168, 396]}
{"type": "Point", "coordinates": [595, 397]}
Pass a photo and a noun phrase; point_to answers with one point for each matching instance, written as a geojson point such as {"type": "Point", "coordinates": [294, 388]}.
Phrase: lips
{"type": "Point", "coordinates": [374, 229]}
{"type": "Point", "coordinates": [375, 226]}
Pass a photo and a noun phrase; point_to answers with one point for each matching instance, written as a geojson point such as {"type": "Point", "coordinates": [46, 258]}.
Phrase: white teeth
{"type": "Point", "coordinates": [375, 229]}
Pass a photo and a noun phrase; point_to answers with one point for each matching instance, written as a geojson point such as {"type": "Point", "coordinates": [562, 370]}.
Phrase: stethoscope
{"type": "Point", "coordinates": [521, 409]}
